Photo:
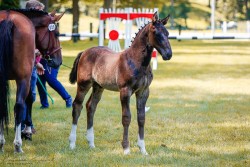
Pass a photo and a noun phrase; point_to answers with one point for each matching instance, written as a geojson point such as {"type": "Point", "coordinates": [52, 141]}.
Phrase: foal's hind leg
{"type": "Point", "coordinates": [141, 99]}
{"type": "Point", "coordinates": [82, 90]}
{"type": "Point", "coordinates": [125, 94]}
{"type": "Point", "coordinates": [91, 108]}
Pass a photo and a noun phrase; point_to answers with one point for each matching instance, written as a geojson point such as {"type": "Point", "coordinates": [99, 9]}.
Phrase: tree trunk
{"type": "Point", "coordinates": [171, 16]}
{"type": "Point", "coordinates": [247, 10]}
{"type": "Point", "coordinates": [75, 26]}
{"type": "Point", "coordinates": [107, 4]}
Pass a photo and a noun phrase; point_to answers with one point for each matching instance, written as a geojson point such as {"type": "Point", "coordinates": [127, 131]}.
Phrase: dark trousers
{"type": "Point", "coordinates": [27, 119]}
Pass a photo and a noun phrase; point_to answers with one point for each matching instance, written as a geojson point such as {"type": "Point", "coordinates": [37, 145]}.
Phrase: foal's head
{"type": "Point", "coordinates": [158, 36]}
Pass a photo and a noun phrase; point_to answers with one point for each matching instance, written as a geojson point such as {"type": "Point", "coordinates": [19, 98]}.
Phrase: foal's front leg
{"type": "Point", "coordinates": [125, 94]}
{"type": "Point", "coordinates": [77, 107]}
{"type": "Point", "coordinates": [141, 99]}
{"type": "Point", "coordinates": [91, 108]}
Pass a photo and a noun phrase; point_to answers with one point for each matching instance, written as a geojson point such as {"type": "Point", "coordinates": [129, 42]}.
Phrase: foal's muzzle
{"type": "Point", "coordinates": [166, 54]}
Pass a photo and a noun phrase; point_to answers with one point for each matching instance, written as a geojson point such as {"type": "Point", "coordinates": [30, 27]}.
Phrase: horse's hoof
{"type": "Point", "coordinates": [18, 150]}
{"type": "Point", "coordinates": [1, 148]}
{"type": "Point", "coordinates": [126, 151]}
{"type": "Point", "coordinates": [91, 146]}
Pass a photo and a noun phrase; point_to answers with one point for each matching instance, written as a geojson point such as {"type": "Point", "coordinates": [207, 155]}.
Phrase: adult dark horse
{"type": "Point", "coordinates": [22, 31]}
{"type": "Point", "coordinates": [127, 72]}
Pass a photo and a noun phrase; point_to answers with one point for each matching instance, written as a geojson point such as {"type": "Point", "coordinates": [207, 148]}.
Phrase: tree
{"type": "Point", "coordinates": [228, 8]}
{"type": "Point", "coordinates": [76, 14]}
{"type": "Point", "coordinates": [182, 10]}
{"type": "Point", "coordinates": [247, 10]}
{"type": "Point", "coordinates": [9, 4]}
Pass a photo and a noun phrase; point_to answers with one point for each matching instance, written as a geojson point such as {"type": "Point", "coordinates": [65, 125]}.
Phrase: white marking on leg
{"type": "Point", "coordinates": [18, 140]}
{"type": "Point", "coordinates": [147, 109]}
{"type": "Point", "coordinates": [91, 137]}
{"type": "Point", "coordinates": [72, 137]}
{"type": "Point", "coordinates": [2, 140]}
{"type": "Point", "coordinates": [141, 145]}
{"type": "Point", "coordinates": [126, 151]}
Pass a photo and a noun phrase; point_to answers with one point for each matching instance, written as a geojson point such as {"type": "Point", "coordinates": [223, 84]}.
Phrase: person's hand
{"type": "Point", "coordinates": [39, 69]}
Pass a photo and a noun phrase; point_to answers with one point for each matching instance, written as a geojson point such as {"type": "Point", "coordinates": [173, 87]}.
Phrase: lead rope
{"type": "Point", "coordinates": [52, 100]}
{"type": "Point", "coordinates": [66, 66]}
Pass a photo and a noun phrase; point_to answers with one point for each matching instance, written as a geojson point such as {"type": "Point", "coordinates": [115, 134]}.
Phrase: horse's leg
{"type": "Point", "coordinates": [141, 99]}
{"type": "Point", "coordinates": [22, 92]}
{"type": "Point", "coordinates": [26, 132]}
{"type": "Point", "coordinates": [91, 108]}
{"type": "Point", "coordinates": [125, 94]}
{"type": "Point", "coordinates": [2, 140]}
{"type": "Point", "coordinates": [82, 90]}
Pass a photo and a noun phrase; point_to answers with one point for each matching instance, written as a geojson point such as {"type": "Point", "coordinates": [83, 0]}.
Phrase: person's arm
{"type": "Point", "coordinates": [39, 66]}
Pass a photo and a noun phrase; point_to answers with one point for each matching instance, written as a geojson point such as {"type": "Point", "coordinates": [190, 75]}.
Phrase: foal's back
{"type": "Point", "coordinates": [100, 65]}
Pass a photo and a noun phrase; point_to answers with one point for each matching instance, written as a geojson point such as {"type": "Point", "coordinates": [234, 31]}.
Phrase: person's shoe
{"type": "Point", "coordinates": [26, 136]}
{"type": "Point", "coordinates": [68, 102]}
{"type": "Point", "coordinates": [44, 107]}
{"type": "Point", "coordinates": [33, 130]}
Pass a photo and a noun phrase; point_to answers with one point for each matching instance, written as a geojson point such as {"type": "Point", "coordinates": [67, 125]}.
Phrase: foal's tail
{"type": "Point", "coordinates": [73, 73]}
{"type": "Point", "coordinates": [6, 54]}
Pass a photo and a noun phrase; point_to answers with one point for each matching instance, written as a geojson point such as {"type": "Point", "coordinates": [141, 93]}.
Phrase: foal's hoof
{"type": "Point", "coordinates": [26, 136]}
{"type": "Point", "coordinates": [72, 146]}
{"type": "Point", "coordinates": [92, 146]}
{"type": "Point", "coordinates": [126, 151]}
{"type": "Point", "coordinates": [144, 152]}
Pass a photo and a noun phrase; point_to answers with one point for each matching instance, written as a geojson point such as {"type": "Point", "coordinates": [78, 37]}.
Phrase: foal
{"type": "Point", "coordinates": [127, 72]}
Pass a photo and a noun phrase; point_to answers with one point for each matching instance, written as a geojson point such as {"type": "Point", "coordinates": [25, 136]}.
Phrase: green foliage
{"type": "Point", "coordinates": [9, 4]}
{"type": "Point", "coordinates": [233, 9]}
{"type": "Point", "coordinates": [165, 10]}
{"type": "Point", "coordinates": [228, 8]}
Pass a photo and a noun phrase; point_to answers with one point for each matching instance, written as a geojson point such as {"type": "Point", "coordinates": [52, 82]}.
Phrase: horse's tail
{"type": "Point", "coordinates": [6, 54]}
{"type": "Point", "coordinates": [73, 73]}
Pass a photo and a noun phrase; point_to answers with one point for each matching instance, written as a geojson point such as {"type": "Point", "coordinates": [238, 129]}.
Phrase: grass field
{"type": "Point", "coordinates": [199, 116]}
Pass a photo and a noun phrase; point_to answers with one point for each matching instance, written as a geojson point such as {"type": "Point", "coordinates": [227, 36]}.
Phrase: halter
{"type": "Point", "coordinates": [51, 28]}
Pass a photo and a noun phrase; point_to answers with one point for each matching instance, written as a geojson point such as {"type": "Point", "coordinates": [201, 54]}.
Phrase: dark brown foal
{"type": "Point", "coordinates": [127, 72]}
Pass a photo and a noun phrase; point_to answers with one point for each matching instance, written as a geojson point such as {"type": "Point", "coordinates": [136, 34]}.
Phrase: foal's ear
{"type": "Point", "coordinates": [155, 17]}
{"type": "Point", "coordinates": [165, 20]}
{"type": "Point", "coordinates": [58, 17]}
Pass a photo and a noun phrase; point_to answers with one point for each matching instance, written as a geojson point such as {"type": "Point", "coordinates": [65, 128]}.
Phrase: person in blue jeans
{"type": "Point", "coordinates": [50, 76]}
{"type": "Point", "coordinates": [27, 126]}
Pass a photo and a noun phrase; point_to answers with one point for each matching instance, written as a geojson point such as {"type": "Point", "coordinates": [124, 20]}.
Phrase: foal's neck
{"type": "Point", "coordinates": [140, 49]}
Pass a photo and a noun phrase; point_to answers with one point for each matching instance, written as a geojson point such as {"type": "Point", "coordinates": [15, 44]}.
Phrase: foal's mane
{"type": "Point", "coordinates": [33, 12]}
{"type": "Point", "coordinates": [139, 32]}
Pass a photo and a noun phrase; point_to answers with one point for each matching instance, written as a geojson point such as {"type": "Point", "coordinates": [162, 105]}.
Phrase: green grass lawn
{"type": "Point", "coordinates": [199, 116]}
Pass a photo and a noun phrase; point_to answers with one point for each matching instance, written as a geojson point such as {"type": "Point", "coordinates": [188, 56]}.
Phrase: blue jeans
{"type": "Point", "coordinates": [27, 120]}
{"type": "Point", "coordinates": [50, 76]}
